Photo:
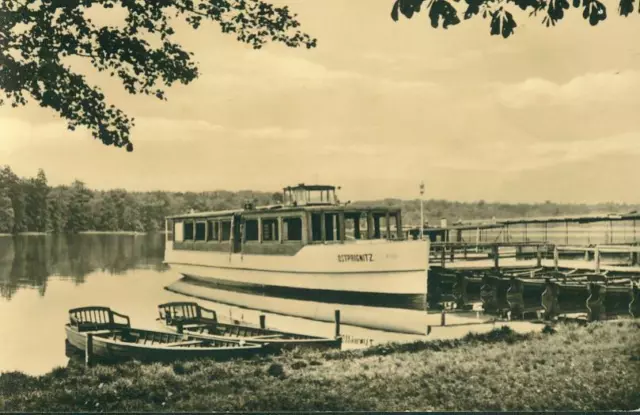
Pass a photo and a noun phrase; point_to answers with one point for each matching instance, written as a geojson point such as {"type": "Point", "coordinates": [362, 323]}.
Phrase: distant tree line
{"type": "Point", "coordinates": [31, 205]}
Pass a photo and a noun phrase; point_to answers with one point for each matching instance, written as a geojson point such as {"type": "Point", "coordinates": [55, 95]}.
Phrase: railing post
{"type": "Point", "coordinates": [263, 322]}
{"type": "Point", "coordinates": [538, 256]}
{"type": "Point", "coordinates": [88, 350]}
{"type": "Point", "coordinates": [337, 321]}
{"type": "Point", "coordinates": [443, 318]}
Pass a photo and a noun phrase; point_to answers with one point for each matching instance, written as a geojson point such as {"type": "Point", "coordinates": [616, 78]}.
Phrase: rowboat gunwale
{"type": "Point", "coordinates": [295, 340]}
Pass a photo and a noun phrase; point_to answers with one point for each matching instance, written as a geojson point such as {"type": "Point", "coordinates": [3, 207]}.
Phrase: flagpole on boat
{"type": "Point", "coordinates": [421, 210]}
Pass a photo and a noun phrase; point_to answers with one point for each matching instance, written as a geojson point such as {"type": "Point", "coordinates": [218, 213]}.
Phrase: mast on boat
{"type": "Point", "coordinates": [421, 210]}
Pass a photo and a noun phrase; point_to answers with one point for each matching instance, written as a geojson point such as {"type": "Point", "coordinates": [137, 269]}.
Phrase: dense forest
{"type": "Point", "coordinates": [31, 205]}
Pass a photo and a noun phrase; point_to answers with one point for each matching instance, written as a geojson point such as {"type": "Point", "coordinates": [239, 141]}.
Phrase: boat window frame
{"type": "Point", "coordinates": [285, 228]}
{"type": "Point", "coordinates": [213, 230]}
{"type": "Point", "coordinates": [275, 232]}
{"type": "Point", "coordinates": [184, 231]}
{"type": "Point", "coordinates": [244, 223]}
{"type": "Point", "coordinates": [196, 223]}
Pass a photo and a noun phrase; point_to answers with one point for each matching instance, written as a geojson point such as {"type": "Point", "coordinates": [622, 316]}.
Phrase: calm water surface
{"type": "Point", "coordinates": [42, 277]}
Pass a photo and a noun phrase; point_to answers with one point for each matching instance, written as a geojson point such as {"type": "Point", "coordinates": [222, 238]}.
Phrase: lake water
{"type": "Point", "coordinates": [42, 277]}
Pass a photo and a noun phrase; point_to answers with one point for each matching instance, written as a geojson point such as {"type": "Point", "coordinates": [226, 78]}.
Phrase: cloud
{"type": "Point", "coordinates": [169, 129]}
{"type": "Point", "coordinates": [271, 132]}
{"type": "Point", "coordinates": [602, 87]}
{"type": "Point", "coordinates": [17, 133]}
{"type": "Point", "coordinates": [267, 71]}
{"type": "Point", "coordinates": [510, 156]}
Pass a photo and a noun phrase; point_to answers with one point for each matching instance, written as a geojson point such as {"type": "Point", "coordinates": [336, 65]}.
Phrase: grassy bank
{"type": "Point", "coordinates": [578, 368]}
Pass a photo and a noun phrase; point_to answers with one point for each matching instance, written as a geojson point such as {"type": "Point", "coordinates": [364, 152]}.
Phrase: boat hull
{"type": "Point", "coordinates": [382, 273]}
{"type": "Point", "coordinates": [112, 350]}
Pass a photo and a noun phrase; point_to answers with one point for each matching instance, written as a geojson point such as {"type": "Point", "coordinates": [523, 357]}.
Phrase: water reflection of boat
{"type": "Point", "coordinates": [193, 319]}
{"type": "Point", "coordinates": [110, 340]}
{"type": "Point", "coordinates": [310, 247]}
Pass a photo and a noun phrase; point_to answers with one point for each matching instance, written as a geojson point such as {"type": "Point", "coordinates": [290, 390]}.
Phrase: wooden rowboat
{"type": "Point", "coordinates": [193, 319]}
{"type": "Point", "coordinates": [111, 337]}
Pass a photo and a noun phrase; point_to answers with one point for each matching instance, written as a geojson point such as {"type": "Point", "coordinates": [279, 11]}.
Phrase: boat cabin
{"type": "Point", "coordinates": [309, 214]}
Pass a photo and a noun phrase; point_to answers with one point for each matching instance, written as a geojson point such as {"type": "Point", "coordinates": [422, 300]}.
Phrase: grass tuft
{"type": "Point", "coordinates": [496, 371]}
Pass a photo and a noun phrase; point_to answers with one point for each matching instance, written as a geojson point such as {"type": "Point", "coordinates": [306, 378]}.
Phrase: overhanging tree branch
{"type": "Point", "coordinates": [50, 30]}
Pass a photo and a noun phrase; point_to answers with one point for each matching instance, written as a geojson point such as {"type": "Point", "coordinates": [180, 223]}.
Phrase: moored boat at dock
{"type": "Point", "coordinates": [97, 331]}
{"type": "Point", "coordinates": [310, 247]}
{"type": "Point", "coordinates": [193, 319]}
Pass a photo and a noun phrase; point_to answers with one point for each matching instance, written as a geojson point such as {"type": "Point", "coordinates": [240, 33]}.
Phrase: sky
{"type": "Point", "coordinates": [377, 107]}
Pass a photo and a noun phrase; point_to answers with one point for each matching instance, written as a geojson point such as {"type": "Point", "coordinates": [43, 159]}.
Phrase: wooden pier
{"type": "Point", "coordinates": [522, 280]}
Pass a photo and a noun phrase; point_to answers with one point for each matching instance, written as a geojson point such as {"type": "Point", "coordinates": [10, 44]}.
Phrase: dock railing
{"type": "Point", "coordinates": [443, 253]}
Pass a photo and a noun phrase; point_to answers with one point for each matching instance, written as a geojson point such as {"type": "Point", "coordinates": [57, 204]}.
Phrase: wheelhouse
{"type": "Point", "coordinates": [308, 215]}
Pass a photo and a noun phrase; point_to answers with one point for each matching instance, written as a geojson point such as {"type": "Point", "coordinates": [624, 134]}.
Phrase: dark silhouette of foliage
{"type": "Point", "coordinates": [502, 21]}
{"type": "Point", "coordinates": [36, 36]}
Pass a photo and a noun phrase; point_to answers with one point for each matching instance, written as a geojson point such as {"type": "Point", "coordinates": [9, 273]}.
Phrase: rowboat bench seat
{"type": "Point", "coordinates": [100, 332]}
{"type": "Point", "coordinates": [194, 326]}
{"type": "Point", "coordinates": [268, 336]}
{"type": "Point", "coordinates": [187, 343]}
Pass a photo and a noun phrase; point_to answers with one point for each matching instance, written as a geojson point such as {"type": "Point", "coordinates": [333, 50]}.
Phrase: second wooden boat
{"type": "Point", "coordinates": [193, 319]}
{"type": "Point", "coordinates": [111, 337]}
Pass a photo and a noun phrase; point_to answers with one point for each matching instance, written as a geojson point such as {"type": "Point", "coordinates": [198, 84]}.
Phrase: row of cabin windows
{"type": "Point", "coordinates": [221, 230]}
{"type": "Point", "coordinates": [355, 226]}
{"type": "Point", "coordinates": [203, 231]}
{"type": "Point", "coordinates": [292, 230]}
{"type": "Point", "coordinates": [324, 227]}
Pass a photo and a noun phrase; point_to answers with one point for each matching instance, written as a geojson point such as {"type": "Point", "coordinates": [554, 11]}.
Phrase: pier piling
{"type": "Point", "coordinates": [263, 321]}
{"type": "Point", "coordinates": [538, 256]}
{"type": "Point", "coordinates": [88, 350]}
{"type": "Point", "coordinates": [337, 320]}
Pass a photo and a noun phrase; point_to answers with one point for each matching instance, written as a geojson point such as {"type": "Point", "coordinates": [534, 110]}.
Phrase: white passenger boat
{"type": "Point", "coordinates": [310, 247]}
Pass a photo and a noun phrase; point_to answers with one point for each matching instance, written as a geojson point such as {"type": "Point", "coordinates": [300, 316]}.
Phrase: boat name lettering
{"type": "Point", "coordinates": [355, 258]}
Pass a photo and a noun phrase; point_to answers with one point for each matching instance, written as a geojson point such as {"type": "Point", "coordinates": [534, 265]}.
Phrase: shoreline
{"type": "Point", "coordinates": [497, 371]}
{"type": "Point", "coordinates": [82, 233]}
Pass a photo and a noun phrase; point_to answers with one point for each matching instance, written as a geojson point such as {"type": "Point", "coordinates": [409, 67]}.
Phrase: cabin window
{"type": "Point", "coordinates": [212, 231]}
{"type": "Point", "coordinates": [376, 227]}
{"type": "Point", "coordinates": [330, 226]}
{"type": "Point", "coordinates": [352, 224]}
{"type": "Point", "coordinates": [316, 226]}
{"type": "Point", "coordinates": [188, 231]}
{"type": "Point", "coordinates": [270, 230]}
{"type": "Point", "coordinates": [225, 229]}
{"type": "Point", "coordinates": [201, 229]}
{"type": "Point", "coordinates": [178, 232]}
{"type": "Point", "coordinates": [293, 229]}
{"type": "Point", "coordinates": [251, 230]}
{"type": "Point", "coordinates": [170, 230]}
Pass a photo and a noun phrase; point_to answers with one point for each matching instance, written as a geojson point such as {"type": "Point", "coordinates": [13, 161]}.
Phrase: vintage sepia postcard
{"type": "Point", "coordinates": [268, 206]}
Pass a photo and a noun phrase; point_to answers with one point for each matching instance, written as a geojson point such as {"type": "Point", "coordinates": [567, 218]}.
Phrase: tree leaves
{"type": "Point", "coordinates": [594, 11]}
{"type": "Point", "coordinates": [502, 20]}
{"type": "Point", "coordinates": [502, 23]}
{"type": "Point", "coordinates": [36, 35]}
{"type": "Point", "coordinates": [626, 7]}
{"type": "Point", "coordinates": [555, 12]}
{"type": "Point", "coordinates": [406, 7]}
{"type": "Point", "coordinates": [441, 9]}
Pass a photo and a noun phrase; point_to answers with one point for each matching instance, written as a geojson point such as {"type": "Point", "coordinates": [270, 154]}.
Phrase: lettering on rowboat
{"type": "Point", "coordinates": [355, 258]}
